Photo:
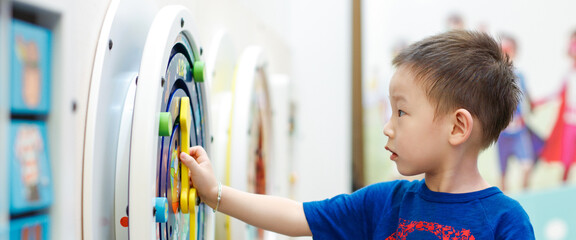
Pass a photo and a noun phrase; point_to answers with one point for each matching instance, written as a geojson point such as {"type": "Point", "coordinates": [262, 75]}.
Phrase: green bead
{"type": "Point", "coordinates": [165, 128]}
{"type": "Point", "coordinates": [198, 70]}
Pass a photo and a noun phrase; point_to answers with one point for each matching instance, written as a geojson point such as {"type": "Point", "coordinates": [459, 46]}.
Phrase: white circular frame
{"type": "Point", "coordinates": [169, 22]}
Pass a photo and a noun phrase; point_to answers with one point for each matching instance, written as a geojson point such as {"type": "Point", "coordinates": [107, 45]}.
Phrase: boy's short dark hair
{"type": "Point", "coordinates": [465, 69]}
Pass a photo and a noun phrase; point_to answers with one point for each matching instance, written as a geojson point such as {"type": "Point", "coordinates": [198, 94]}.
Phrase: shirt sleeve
{"type": "Point", "coordinates": [349, 216]}
{"type": "Point", "coordinates": [515, 224]}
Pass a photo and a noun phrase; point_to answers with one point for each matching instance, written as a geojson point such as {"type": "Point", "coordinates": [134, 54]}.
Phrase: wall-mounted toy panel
{"type": "Point", "coordinates": [251, 145]}
{"type": "Point", "coordinates": [220, 70]}
{"type": "Point", "coordinates": [170, 80]}
{"type": "Point", "coordinates": [183, 108]}
{"type": "Point", "coordinates": [155, 111]}
{"type": "Point", "coordinates": [109, 117]}
{"type": "Point", "coordinates": [31, 68]}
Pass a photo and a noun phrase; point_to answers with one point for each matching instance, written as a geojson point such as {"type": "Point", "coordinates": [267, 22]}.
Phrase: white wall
{"type": "Point", "coordinates": [321, 44]}
{"type": "Point", "coordinates": [311, 42]}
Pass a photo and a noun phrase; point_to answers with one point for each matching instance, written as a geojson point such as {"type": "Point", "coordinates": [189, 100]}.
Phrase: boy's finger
{"type": "Point", "coordinates": [197, 152]}
{"type": "Point", "coordinates": [188, 160]}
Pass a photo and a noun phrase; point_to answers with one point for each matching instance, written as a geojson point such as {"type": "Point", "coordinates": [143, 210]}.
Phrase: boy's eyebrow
{"type": "Point", "coordinates": [397, 97]}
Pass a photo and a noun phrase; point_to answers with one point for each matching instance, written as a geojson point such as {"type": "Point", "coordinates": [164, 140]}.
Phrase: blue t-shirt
{"type": "Point", "coordinates": [403, 210]}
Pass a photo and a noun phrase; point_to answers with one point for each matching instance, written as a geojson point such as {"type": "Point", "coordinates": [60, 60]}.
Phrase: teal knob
{"type": "Point", "coordinates": [161, 209]}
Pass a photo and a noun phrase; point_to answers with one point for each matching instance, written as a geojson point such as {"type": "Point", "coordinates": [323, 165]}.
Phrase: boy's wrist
{"type": "Point", "coordinates": [212, 197]}
{"type": "Point", "coordinates": [218, 198]}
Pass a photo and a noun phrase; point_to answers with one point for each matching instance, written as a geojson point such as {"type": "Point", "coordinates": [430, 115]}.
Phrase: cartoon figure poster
{"type": "Point", "coordinates": [30, 175]}
{"type": "Point", "coordinates": [30, 63]}
{"type": "Point", "coordinates": [30, 228]}
{"type": "Point", "coordinates": [562, 139]}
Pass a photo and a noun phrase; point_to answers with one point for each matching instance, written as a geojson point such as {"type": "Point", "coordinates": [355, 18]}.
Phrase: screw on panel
{"type": "Point", "coordinates": [136, 81]}
{"type": "Point", "coordinates": [74, 106]}
{"type": "Point", "coordinates": [211, 139]}
{"type": "Point", "coordinates": [110, 44]}
{"type": "Point", "coordinates": [181, 22]}
{"type": "Point", "coordinates": [162, 82]}
{"type": "Point", "coordinates": [201, 50]}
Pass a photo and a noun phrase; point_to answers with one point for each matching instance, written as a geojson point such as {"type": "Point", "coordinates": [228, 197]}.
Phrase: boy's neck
{"type": "Point", "coordinates": [457, 176]}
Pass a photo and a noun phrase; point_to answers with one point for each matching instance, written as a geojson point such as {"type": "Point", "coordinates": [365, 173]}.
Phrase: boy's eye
{"type": "Point", "coordinates": [401, 113]}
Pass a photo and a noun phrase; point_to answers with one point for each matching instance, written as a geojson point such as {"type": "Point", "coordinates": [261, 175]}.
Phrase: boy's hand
{"type": "Point", "coordinates": [276, 214]}
{"type": "Point", "coordinates": [201, 174]}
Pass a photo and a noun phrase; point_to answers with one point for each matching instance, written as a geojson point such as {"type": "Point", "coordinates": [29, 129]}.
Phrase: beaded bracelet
{"type": "Point", "coordinates": [219, 197]}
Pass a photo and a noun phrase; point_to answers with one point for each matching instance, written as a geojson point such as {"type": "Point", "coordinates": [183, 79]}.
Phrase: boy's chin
{"type": "Point", "coordinates": [408, 172]}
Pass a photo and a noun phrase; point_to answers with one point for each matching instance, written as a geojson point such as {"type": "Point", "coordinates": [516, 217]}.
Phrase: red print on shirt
{"type": "Point", "coordinates": [443, 232]}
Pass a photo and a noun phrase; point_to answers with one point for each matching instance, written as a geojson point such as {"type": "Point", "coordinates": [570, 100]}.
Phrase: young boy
{"type": "Point", "coordinates": [452, 95]}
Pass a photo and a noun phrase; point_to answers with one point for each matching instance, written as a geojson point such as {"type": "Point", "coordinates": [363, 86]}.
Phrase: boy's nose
{"type": "Point", "coordinates": [388, 130]}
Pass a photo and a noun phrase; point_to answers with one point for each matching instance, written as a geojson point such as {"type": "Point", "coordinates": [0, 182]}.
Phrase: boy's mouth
{"type": "Point", "coordinates": [394, 156]}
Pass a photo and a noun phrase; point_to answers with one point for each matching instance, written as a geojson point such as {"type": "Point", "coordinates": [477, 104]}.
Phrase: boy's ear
{"type": "Point", "coordinates": [462, 124]}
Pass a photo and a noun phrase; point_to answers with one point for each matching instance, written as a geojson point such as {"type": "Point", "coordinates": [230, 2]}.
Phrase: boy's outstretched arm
{"type": "Point", "coordinates": [272, 213]}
